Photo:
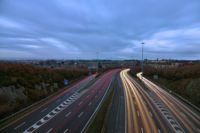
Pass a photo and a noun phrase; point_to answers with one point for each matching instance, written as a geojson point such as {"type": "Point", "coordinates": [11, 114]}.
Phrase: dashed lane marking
{"type": "Point", "coordinates": [80, 114]}
{"type": "Point", "coordinates": [49, 130]}
{"type": "Point", "coordinates": [19, 125]}
{"type": "Point", "coordinates": [54, 112]}
{"type": "Point", "coordinates": [68, 114]}
{"type": "Point", "coordinates": [66, 130]}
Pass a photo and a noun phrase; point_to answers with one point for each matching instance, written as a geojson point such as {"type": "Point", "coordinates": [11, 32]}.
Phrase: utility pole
{"type": "Point", "coordinates": [142, 57]}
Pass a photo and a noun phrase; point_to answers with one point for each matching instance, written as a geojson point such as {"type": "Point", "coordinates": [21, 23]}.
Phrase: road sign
{"type": "Point", "coordinates": [66, 82]}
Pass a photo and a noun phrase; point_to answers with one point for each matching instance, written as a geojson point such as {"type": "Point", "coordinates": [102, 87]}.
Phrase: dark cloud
{"type": "Point", "coordinates": [78, 29]}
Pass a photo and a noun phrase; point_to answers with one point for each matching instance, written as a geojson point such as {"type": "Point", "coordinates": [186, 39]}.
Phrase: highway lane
{"type": "Point", "coordinates": [142, 114]}
{"type": "Point", "coordinates": [115, 120]}
{"type": "Point", "coordinates": [29, 118]}
{"type": "Point", "coordinates": [186, 117]}
{"type": "Point", "coordinates": [137, 114]}
{"type": "Point", "coordinates": [74, 118]}
{"type": "Point", "coordinates": [70, 114]}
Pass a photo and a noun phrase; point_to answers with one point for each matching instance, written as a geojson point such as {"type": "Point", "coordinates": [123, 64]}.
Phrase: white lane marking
{"type": "Point", "coordinates": [138, 113]}
{"type": "Point", "coordinates": [58, 108]}
{"type": "Point", "coordinates": [80, 114]}
{"type": "Point", "coordinates": [49, 130]}
{"type": "Point", "coordinates": [90, 103]}
{"type": "Point", "coordinates": [68, 114]}
{"type": "Point", "coordinates": [159, 131]}
{"type": "Point", "coordinates": [66, 130]}
{"type": "Point", "coordinates": [142, 131]}
{"type": "Point", "coordinates": [97, 108]}
{"type": "Point", "coordinates": [35, 126]}
{"type": "Point", "coordinates": [68, 100]}
{"type": "Point", "coordinates": [19, 125]}
{"type": "Point", "coordinates": [43, 110]}
{"type": "Point", "coordinates": [42, 120]}
{"type": "Point", "coordinates": [54, 111]}
{"type": "Point", "coordinates": [80, 103]}
{"type": "Point", "coordinates": [51, 114]}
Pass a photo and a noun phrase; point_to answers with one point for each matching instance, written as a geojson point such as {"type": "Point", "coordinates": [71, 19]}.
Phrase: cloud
{"type": "Point", "coordinates": [115, 29]}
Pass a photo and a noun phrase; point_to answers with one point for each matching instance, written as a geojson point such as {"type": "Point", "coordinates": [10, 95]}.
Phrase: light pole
{"type": "Point", "coordinates": [142, 57]}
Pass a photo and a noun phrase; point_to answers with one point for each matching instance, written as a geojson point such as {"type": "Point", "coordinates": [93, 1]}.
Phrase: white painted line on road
{"type": "Point", "coordinates": [80, 114]}
{"type": "Point", "coordinates": [58, 108]}
{"type": "Point", "coordinates": [159, 131]}
{"type": "Point", "coordinates": [43, 110]}
{"type": "Point", "coordinates": [68, 114]}
{"type": "Point", "coordinates": [68, 100]}
{"type": "Point", "coordinates": [35, 126]}
{"type": "Point", "coordinates": [97, 108]}
{"type": "Point", "coordinates": [90, 103]}
{"type": "Point", "coordinates": [54, 111]}
{"type": "Point", "coordinates": [66, 130]}
{"type": "Point", "coordinates": [142, 131]}
{"type": "Point", "coordinates": [49, 130]}
{"type": "Point", "coordinates": [52, 114]}
{"type": "Point", "coordinates": [80, 103]}
{"type": "Point", "coordinates": [49, 116]}
{"type": "Point", "coordinates": [42, 120]}
{"type": "Point", "coordinates": [19, 125]}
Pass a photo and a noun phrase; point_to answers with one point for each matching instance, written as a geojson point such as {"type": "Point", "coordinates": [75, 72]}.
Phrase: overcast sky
{"type": "Point", "coordinates": [79, 29]}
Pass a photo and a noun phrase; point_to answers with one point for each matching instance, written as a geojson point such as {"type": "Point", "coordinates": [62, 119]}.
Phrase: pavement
{"type": "Point", "coordinates": [68, 111]}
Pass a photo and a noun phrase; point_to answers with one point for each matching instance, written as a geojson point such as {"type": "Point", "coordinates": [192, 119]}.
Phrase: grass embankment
{"type": "Point", "coordinates": [98, 122]}
{"type": "Point", "coordinates": [183, 80]}
{"type": "Point", "coordinates": [22, 85]}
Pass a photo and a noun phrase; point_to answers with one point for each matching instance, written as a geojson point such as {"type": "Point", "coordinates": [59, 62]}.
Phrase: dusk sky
{"type": "Point", "coordinates": [78, 29]}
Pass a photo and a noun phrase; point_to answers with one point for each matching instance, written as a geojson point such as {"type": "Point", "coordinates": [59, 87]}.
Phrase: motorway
{"type": "Point", "coordinates": [149, 109]}
{"type": "Point", "coordinates": [142, 113]}
{"type": "Point", "coordinates": [187, 118]}
{"type": "Point", "coordinates": [70, 111]}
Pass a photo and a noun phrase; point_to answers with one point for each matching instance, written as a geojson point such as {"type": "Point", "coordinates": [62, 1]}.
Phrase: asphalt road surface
{"type": "Point", "coordinates": [188, 120]}
{"type": "Point", "coordinates": [66, 112]}
{"type": "Point", "coordinates": [150, 109]}
{"type": "Point", "coordinates": [115, 120]}
{"type": "Point", "coordinates": [142, 113]}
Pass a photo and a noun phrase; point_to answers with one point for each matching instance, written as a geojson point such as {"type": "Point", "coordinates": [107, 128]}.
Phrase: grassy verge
{"type": "Point", "coordinates": [98, 122]}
